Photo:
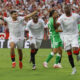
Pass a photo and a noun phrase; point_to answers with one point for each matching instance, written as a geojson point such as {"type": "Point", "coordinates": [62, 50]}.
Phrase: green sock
{"type": "Point", "coordinates": [50, 57]}
{"type": "Point", "coordinates": [58, 56]}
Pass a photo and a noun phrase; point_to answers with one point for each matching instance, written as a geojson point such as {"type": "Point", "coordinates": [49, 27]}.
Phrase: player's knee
{"type": "Point", "coordinates": [32, 51]}
{"type": "Point", "coordinates": [69, 53]}
{"type": "Point", "coordinates": [55, 51]}
{"type": "Point", "coordinates": [60, 51]}
{"type": "Point", "coordinates": [76, 52]}
{"type": "Point", "coordinates": [12, 45]}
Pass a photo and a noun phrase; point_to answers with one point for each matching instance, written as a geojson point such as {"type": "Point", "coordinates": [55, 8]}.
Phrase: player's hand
{"type": "Point", "coordinates": [58, 30]}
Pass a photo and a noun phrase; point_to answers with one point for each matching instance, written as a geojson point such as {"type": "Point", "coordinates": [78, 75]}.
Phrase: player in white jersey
{"type": "Point", "coordinates": [16, 34]}
{"type": "Point", "coordinates": [69, 22]}
{"type": "Point", "coordinates": [36, 33]}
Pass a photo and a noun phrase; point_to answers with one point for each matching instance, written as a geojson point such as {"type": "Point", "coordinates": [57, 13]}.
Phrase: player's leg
{"type": "Point", "coordinates": [20, 45]}
{"type": "Point", "coordinates": [20, 58]}
{"type": "Point", "coordinates": [68, 48]}
{"type": "Point", "coordinates": [60, 54]}
{"type": "Point", "coordinates": [58, 61]}
{"type": "Point", "coordinates": [71, 61]}
{"type": "Point", "coordinates": [58, 57]}
{"type": "Point", "coordinates": [60, 45]}
{"type": "Point", "coordinates": [50, 56]}
{"type": "Point", "coordinates": [55, 46]}
{"type": "Point", "coordinates": [78, 56]}
{"type": "Point", "coordinates": [76, 52]}
{"type": "Point", "coordinates": [34, 50]}
{"type": "Point", "coordinates": [33, 53]}
{"type": "Point", "coordinates": [12, 46]}
{"type": "Point", "coordinates": [75, 46]}
{"type": "Point", "coordinates": [60, 50]}
{"type": "Point", "coordinates": [79, 42]}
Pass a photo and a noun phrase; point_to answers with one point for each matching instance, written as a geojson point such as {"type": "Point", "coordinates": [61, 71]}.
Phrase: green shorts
{"type": "Point", "coordinates": [56, 42]}
{"type": "Point", "coordinates": [79, 41]}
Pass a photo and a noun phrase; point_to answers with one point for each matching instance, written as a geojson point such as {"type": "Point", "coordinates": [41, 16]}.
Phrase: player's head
{"type": "Point", "coordinates": [67, 9]}
{"type": "Point", "coordinates": [35, 18]}
{"type": "Point", "coordinates": [53, 13]}
{"type": "Point", "coordinates": [14, 14]}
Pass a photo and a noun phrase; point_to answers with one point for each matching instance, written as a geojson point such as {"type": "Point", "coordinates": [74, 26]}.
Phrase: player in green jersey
{"type": "Point", "coordinates": [56, 42]}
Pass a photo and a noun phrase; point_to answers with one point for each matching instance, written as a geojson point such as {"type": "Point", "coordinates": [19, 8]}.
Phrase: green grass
{"type": "Point", "coordinates": [7, 73]}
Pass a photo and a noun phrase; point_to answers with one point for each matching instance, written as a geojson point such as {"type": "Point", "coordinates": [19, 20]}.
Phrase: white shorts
{"type": "Point", "coordinates": [18, 42]}
{"type": "Point", "coordinates": [36, 42]}
{"type": "Point", "coordinates": [70, 41]}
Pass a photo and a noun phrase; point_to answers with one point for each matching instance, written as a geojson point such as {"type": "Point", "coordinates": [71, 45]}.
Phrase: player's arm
{"type": "Point", "coordinates": [45, 30]}
{"type": "Point", "coordinates": [58, 30]}
{"type": "Point", "coordinates": [30, 15]}
{"type": "Point", "coordinates": [57, 24]}
{"type": "Point", "coordinates": [27, 30]}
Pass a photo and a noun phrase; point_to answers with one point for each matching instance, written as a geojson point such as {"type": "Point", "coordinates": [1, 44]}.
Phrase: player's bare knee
{"type": "Point", "coordinates": [55, 51]}
{"type": "Point", "coordinates": [12, 45]}
{"type": "Point", "coordinates": [60, 52]}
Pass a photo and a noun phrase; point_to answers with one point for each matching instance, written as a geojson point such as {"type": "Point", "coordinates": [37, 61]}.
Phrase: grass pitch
{"type": "Point", "coordinates": [8, 73]}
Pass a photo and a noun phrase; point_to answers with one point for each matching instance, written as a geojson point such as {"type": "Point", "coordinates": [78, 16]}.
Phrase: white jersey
{"type": "Point", "coordinates": [16, 28]}
{"type": "Point", "coordinates": [36, 29]}
{"type": "Point", "coordinates": [69, 24]}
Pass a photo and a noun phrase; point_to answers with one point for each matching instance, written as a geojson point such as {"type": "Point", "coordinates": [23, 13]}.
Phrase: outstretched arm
{"type": "Point", "coordinates": [30, 15]}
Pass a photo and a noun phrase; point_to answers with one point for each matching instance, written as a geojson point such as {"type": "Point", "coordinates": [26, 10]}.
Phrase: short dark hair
{"type": "Point", "coordinates": [13, 11]}
{"type": "Point", "coordinates": [51, 13]}
{"type": "Point", "coordinates": [36, 15]}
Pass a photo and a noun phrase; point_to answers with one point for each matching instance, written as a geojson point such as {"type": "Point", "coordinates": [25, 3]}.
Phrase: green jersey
{"type": "Point", "coordinates": [54, 36]}
{"type": "Point", "coordinates": [79, 34]}
{"type": "Point", "coordinates": [51, 28]}
{"type": "Point", "coordinates": [79, 27]}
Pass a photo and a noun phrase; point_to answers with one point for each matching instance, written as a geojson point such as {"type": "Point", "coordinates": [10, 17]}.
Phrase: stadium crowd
{"type": "Point", "coordinates": [27, 6]}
